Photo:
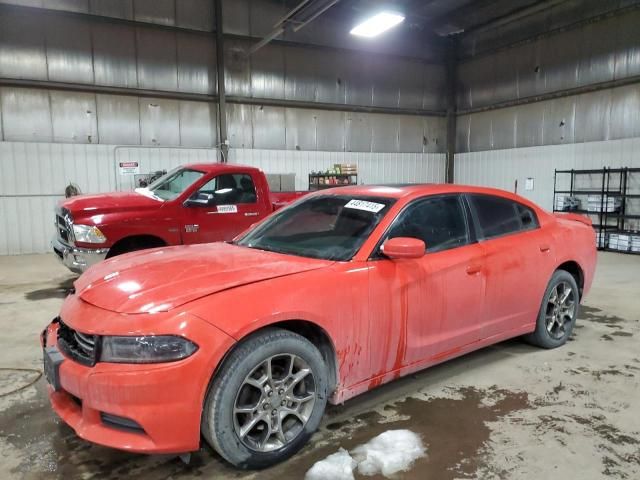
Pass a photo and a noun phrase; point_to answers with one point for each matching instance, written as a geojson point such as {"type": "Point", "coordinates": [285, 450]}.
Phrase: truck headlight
{"type": "Point", "coordinates": [88, 234]}
{"type": "Point", "coordinates": [146, 349]}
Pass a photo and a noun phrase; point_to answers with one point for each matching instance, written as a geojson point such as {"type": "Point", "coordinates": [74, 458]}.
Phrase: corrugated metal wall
{"type": "Point", "coordinates": [34, 176]}
{"type": "Point", "coordinates": [604, 51]}
{"type": "Point", "coordinates": [501, 168]}
{"type": "Point", "coordinates": [604, 115]}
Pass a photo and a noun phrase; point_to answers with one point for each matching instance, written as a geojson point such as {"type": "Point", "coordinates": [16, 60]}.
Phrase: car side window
{"type": "Point", "coordinates": [229, 189]}
{"type": "Point", "coordinates": [500, 216]}
{"type": "Point", "coordinates": [438, 221]}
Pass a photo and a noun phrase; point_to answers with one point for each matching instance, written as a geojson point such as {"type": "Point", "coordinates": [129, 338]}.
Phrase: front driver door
{"type": "Point", "coordinates": [427, 308]}
{"type": "Point", "coordinates": [220, 209]}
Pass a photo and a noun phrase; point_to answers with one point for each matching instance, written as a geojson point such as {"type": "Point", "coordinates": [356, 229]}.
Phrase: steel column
{"type": "Point", "coordinates": [452, 84]}
{"type": "Point", "coordinates": [222, 102]}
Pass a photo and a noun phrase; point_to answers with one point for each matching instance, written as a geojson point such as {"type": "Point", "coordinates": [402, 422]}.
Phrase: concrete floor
{"type": "Point", "coordinates": [508, 411]}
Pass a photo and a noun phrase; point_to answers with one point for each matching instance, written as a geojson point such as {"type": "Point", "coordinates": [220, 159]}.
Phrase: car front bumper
{"type": "Point", "coordinates": [77, 259]}
{"type": "Point", "coordinates": [142, 408]}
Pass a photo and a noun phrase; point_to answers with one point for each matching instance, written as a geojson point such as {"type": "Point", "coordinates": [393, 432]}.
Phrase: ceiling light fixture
{"type": "Point", "coordinates": [377, 24]}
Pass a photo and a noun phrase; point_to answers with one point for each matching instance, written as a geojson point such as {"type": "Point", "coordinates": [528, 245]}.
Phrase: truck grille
{"type": "Point", "coordinates": [81, 347]}
{"type": "Point", "coordinates": [63, 225]}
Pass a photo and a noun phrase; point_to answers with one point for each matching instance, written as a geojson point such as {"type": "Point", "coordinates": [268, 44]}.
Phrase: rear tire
{"type": "Point", "coordinates": [558, 312]}
{"type": "Point", "coordinates": [267, 399]}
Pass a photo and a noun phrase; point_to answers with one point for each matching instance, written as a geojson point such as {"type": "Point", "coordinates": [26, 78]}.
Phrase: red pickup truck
{"type": "Point", "coordinates": [191, 204]}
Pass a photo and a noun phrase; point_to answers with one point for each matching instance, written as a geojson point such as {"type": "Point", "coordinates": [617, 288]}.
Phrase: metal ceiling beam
{"type": "Point", "coordinates": [513, 16]}
{"type": "Point", "coordinates": [595, 87]}
{"type": "Point", "coordinates": [239, 100]}
{"type": "Point", "coordinates": [284, 24]}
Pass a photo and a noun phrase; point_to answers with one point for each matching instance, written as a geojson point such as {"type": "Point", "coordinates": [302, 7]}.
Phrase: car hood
{"type": "Point", "coordinates": [161, 279]}
{"type": "Point", "coordinates": [89, 205]}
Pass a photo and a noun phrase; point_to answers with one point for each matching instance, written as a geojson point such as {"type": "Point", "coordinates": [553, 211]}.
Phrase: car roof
{"type": "Point", "coordinates": [402, 190]}
{"type": "Point", "coordinates": [218, 167]}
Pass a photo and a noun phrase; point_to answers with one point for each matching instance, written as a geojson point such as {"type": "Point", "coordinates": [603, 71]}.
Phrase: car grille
{"type": "Point", "coordinates": [81, 347]}
{"type": "Point", "coordinates": [63, 225]}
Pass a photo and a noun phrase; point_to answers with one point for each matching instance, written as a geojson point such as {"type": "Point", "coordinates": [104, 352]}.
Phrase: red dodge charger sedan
{"type": "Point", "coordinates": [243, 343]}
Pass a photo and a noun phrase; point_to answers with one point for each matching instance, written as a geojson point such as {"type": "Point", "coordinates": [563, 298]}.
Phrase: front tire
{"type": "Point", "coordinates": [558, 312]}
{"type": "Point", "coordinates": [267, 399]}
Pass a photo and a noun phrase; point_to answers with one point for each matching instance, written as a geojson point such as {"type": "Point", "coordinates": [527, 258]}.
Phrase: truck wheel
{"type": "Point", "coordinates": [558, 312]}
{"type": "Point", "coordinates": [267, 399]}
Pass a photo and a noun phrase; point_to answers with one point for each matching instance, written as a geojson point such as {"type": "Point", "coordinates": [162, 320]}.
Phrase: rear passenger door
{"type": "Point", "coordinates": [517, 254]}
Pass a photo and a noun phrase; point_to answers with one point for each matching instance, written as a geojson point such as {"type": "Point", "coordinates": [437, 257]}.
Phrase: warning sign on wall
{"type": "Point", "coordinates": [129, 168]}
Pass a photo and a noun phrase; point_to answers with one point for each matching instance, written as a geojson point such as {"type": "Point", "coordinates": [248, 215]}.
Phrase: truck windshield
{"type": "Point", "coordinates": [175, 182]}
{"type": "Point", "coordinates": [331, 227]}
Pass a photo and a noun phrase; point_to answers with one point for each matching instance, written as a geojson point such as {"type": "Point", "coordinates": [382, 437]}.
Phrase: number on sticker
{"type": "Point", "coordinates": [364, 205]}
{"type": "Point", "coordinates": [227, 209]}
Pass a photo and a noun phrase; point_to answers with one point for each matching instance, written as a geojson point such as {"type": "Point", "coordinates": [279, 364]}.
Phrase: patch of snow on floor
{"type": "Point", "coordinates": [337, 466]}
{"type": "Point", "coordinates": [390, 452]}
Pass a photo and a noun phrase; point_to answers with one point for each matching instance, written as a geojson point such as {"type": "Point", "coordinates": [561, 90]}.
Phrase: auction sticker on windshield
{"type": "Point", "coordinates": [227, 209]}
{"type": "Point", "coordinates": [372, 207]}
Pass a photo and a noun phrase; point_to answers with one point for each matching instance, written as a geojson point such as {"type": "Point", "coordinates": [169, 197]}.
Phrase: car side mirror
{"type": "Point", "coordinates": [403, 247]}
{"type": "Point", "coordinates": [199, 200]}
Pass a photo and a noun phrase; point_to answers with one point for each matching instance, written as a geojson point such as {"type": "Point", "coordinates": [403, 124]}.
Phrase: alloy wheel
{"type": "Point", "coordinates": [560, 310]}
{"type": "Point", "coordinates": [274, 402]}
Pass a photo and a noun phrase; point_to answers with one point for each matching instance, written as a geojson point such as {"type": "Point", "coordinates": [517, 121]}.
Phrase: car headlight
{"type": "Point", "coordinates": [146, 349]}
{"type": "Point", "coordinates": [88, 234]}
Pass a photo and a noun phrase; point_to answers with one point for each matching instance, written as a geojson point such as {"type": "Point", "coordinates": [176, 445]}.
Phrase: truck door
{"type": "Point", "coordinates": [222, 208]}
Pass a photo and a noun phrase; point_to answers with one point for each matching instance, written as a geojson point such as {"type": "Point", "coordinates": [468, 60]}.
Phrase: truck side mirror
{"type": "Point", "coordinates": [199, 200]}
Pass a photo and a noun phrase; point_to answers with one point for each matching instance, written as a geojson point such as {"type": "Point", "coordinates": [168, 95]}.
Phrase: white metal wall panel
{"type": "Point", "coordinates": [119, 119]}
{"type": "Point", "coordinates": [501, 168]}
{"type": "Point", "coordinates": [159, 122]}
{"type": "Point", "coordinates": [372, 167]}
{"type": "Point", "coordinates": [73, 116]}
{"type": "Point", "coordinates": [34, 176]}
{"type": "Point", "coordinates": [198, 124]}
{"type": "Point", "coordinates": [26, 114]}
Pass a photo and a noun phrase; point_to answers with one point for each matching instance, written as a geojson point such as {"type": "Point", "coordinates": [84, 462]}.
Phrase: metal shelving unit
{"type": "Point", "coordinates": [342, 179]}
{"type": "Point", "coordinates": [620, 184]}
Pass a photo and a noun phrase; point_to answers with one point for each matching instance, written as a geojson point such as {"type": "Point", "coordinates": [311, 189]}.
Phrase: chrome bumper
{"type": "Point", "coordinates": [77, 259]}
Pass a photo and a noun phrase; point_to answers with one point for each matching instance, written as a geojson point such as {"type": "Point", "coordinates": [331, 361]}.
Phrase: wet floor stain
{"type": "Point", "coordinates": [592, 314]}
{"type": "Point", "coordinates": [59, 291]}
{"type": "Point", "coordinates": [454, 430]}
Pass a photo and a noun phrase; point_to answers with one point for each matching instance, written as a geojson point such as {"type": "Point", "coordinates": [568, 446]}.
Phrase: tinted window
{"type": "Point", "coordinates": [499, 216]}
{"type": "Point", "coordinates": [333, 227]}
{"type": "Point", "coordinates": [438, 221]}
{"type": "Point", "coordinates": [229, 189]}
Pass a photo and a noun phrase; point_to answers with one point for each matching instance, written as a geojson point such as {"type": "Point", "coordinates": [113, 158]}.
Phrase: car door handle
{"type": "Point", "coordinates": [251, 214]}
{"type": "Point", "coordinates": [545, 248]}
{"type": "Point", "coordinates": [473, 269]}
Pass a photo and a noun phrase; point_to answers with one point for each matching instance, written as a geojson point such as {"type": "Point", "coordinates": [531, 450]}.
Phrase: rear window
{"type": "Point", "coordinates": [499, 216]}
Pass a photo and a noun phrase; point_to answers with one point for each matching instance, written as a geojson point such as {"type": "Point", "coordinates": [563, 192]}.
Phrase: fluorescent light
{"type": "Point", "coordinates": [377, 24]}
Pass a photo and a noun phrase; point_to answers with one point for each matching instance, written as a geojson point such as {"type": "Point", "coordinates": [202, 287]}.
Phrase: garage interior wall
{"type": "Point", "coordinates": [85, 84]}
{"type": "Point", "coordinates": [566, 99]}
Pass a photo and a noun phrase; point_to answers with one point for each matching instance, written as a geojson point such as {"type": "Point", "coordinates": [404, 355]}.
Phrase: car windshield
{"type": "Point", "coordinates": [331, 227]}
{"type": "Point", "coordinates": [175, 182]}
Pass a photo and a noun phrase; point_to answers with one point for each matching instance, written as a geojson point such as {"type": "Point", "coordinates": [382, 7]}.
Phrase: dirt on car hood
{"type": "Point", "coordinates": [161, 279]}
